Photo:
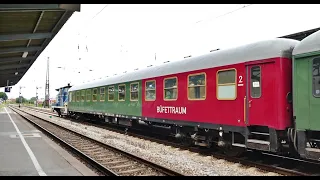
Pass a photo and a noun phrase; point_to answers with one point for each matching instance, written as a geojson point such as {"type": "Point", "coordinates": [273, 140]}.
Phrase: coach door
{"type": "Point", "coordinates": [260, 91]}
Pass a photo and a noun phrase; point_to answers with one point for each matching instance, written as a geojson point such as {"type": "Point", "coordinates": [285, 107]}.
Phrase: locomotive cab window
{"type": "Point", "coordinates": [226, 85]}
{"type": "Point", "coordinates": [111, 93]}
{"type": "Point", "coordinates": [122, 92]}
{"type": "Point", "coordinates": [170, 89]}
{"type": "Point", "coordinates": [316, 77]}
{"type": "Point", "coordinates": [102, 94]}
{"type": "Point", "coordinates": [255, 86]}
{"type": "Point", "coordinates": [88, 95]}
{"type": "Point", "coordinates": [150, 90]}
{"type": "Point", "coordinates": [197, 86]}
{"type": "Point", "coordinates": [134, 91]}
{"type": "Point", "coordinates": [94, 94]}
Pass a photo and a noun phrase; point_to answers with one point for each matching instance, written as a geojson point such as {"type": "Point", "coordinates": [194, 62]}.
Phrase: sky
{"type": "Point", "coordinates": [114, 38]}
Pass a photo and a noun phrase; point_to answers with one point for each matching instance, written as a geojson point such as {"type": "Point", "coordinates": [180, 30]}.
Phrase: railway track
{"type": "Point", "coordinates": [106, 159]}
{"type": "Point", "coordinates": [264, 161]}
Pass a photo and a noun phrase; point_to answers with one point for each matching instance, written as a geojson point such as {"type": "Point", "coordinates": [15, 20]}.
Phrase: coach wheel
{"type": "Point", "coordinates": [186, 142]}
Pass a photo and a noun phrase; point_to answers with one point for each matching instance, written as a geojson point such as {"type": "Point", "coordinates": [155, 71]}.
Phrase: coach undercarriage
{"type": "Point", "coordinates": [231, 142]}
{"type": "Point", "coordinates": [308, 144]}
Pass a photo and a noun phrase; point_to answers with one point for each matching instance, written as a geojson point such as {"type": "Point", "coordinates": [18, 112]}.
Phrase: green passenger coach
{"type": "Point", "coordinates": [123, 98]}
{"type": "Point", "coordinates": [306, 95]}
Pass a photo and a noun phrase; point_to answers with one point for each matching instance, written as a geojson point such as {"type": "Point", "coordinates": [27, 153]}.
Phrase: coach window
{"type": "Point", "coordinates": [102, 94]}
{"type": "Point", "coordinates": [122, 92]}
{"type": "Point", "coordinates": [255, 85]}
{"type": "Point", "coordinates": [77, 96]}
{"type": "Point", "coordinates": [150, 90]}
{"type": "Point", "coordinates": [88, 95]}
{"type": "Point", "coordinates": [111, 93]}
{"type": "Point", "coordinates": [74, 96]}
{"type": "Point", "coordinates": [83, 93]}
{"type": "Point", "coordinates": [134, 91]}
{"type": "Point", "coordinates": [197, 86]}
{"type": "Point", "coordinates": [94, 94]}
{"type": "Point", "coordinates": [170, 88]}
{"type": "Point", "coordinates": [316, 77]}
{"type": "Point", "coordinates": [226, 85]}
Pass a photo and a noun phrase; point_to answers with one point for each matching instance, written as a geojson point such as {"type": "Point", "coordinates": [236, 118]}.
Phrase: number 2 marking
{"type": "Point", "coordinates": [240, 79]}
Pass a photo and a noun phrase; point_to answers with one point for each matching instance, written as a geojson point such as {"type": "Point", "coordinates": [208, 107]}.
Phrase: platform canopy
{"type": "Point", "coordinates": [25, 31]}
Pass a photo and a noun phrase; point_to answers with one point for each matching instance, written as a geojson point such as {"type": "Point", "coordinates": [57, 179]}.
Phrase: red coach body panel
{"type": "Point", "coordinates": [271, 109]}
{"type": "Point", "coordinates": [285, 87]}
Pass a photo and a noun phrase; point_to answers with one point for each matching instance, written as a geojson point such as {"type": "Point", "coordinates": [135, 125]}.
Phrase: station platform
{"type": "Point", "coordinates": [26, 151]}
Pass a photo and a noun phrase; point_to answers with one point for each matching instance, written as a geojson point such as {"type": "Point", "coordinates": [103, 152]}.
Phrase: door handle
{"type": "Point", "coordinates": [250, 103]}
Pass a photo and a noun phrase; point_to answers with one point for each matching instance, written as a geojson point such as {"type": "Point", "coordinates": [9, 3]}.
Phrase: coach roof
{"type": "Point", "coordinates": [279, 47]}
{"type": "Point", "coordinates": [308, 44]}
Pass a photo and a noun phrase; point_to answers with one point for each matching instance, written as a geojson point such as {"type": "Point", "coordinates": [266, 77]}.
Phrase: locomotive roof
{"type": "Point", "coordinates": [308, 44]}
{"type": "Point", "coordinates": [278, 47]}
{"type": "Point", "coordinates": [68, 86]}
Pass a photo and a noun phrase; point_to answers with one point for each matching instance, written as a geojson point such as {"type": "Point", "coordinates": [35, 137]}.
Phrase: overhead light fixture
{"type": "Point", "coordinates": [25, 54]}
{"type": "Point", "coordinates": [16, 73]}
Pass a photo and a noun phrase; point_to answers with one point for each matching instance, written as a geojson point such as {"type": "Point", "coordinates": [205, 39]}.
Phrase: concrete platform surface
{"type": "Point", "coordinates": [25, 151]}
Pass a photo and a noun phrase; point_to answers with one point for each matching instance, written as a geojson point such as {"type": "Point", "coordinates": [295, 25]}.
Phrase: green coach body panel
{"type": "Point", "coordinates": [306, 96]}
{"type": "Point", "coordinates": [126, 107]}
{"type": "Point", "coordinates": [301, 94]}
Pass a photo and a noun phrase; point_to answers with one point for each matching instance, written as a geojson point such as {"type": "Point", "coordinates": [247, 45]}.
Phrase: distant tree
{"type": "Point", "coordinates": [3, 96]}
{"type": "Point", "coordinates": [22, 99]}
{"type": "Point", "coordinates": [33, 99]}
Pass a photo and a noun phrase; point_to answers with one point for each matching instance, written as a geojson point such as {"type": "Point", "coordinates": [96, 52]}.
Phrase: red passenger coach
{"type": "Point", "coordinates": [238, 97]}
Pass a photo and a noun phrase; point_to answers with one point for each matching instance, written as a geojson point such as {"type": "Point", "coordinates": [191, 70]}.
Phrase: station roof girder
{"type": "Point", "coordinates": [25, 31]}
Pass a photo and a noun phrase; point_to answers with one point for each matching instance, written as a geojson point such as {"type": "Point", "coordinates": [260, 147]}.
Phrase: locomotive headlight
{"type": "Point", "coordinates": [220, 133]}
